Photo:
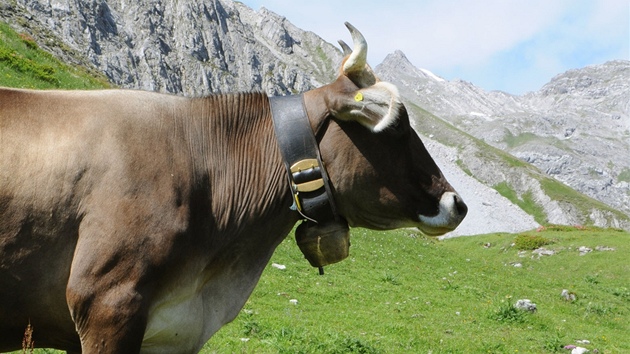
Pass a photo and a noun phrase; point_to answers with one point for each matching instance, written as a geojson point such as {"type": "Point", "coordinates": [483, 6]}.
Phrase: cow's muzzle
{"type": "Point", "coordinates": [323, 244]}
{"type": "Point", "coordinates": [451, 212]}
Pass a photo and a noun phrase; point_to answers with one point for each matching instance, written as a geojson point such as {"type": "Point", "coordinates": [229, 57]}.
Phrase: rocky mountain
{"type": "Point", "coordinates": [196, 47]}
{"type": "Point", "coordinates": [192, 47]}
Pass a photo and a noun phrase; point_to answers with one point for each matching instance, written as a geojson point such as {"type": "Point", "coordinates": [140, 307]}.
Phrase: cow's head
{"type": "Point", "coordinates": [381, 174]}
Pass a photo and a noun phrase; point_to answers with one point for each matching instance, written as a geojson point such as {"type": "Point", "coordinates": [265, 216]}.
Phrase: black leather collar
{"type": "Point", "coordinates": [308, 180]}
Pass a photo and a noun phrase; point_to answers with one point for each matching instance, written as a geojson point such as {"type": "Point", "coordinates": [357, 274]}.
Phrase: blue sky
{"type": "Point", "coordinates": [508, 45]}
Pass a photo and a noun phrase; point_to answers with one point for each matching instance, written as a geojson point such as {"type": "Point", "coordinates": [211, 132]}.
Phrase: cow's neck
{"type": "Point", "coordinates": [240, 183]}
{"type": "Point", "coordinates": [239, 174]}
{"type": "Point", "coordinates": [239, 159]}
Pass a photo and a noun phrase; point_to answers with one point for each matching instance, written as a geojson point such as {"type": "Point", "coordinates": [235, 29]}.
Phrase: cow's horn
{"type": "Point", "coordinates": [345, 47]}
{"type": "Point", "coordinates": [357, 60]}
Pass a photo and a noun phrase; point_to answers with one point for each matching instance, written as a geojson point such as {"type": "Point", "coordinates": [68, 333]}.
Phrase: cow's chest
{"type": "Point", "coordinates": [189, 312]}
{"type": "Point", "coordinates": [176, 324]}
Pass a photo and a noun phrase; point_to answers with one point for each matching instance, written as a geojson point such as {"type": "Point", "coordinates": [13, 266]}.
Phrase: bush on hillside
{"type": "Point", "coordinates": [530, 242]}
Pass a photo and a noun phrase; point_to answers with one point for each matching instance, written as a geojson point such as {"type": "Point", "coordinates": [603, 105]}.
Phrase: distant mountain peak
{"type": "Point", "coordinates": [399, 61]}
{"type": "Point", "coordinates": [592, 80]}
{"type": "Point", "coordinates": [397, 55]}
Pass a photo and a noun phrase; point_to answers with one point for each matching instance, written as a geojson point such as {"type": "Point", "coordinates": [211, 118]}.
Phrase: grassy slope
{"type": "Point", "coordinates": [402, 293]}
{"type": "Point", "coordinates": [24, 65]}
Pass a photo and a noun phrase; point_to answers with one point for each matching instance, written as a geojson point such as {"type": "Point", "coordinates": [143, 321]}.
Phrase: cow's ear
{"type": "Point", "coordinates": [376, 107]}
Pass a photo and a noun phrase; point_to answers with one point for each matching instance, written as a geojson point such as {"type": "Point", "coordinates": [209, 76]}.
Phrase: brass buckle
{"type": "Point", "coordinates": [303, 166]}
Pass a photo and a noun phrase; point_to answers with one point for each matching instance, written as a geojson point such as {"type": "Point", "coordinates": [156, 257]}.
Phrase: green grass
{"type": "Point", "coordinates": [518, 140]}
{"type": "Point", "coordinates": [400, 292]}
{"type": "Point", "coordinates": [513, 141]}
{"type": "Point", "coordinates": [624, 176]}
{"type": "Point", "coordinates": [23, 64]}
{"type": "Point", "coordinates": [530, 242]}
{"type": "Point", "coordinates": [562, 193]}
{"type": "Point", "coordinates": [525, 202]}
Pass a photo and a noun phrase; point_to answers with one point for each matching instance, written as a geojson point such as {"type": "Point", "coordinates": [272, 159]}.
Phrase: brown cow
{"type": "Point", "coordinates": [141, 222]}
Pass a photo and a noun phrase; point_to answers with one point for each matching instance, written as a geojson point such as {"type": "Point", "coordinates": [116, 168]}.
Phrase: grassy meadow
{"type": "Point", "coordinates": [400, 292]}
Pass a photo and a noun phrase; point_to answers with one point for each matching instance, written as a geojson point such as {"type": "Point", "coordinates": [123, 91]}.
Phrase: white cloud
{"type": "Point", "coordinates": [474, 31]}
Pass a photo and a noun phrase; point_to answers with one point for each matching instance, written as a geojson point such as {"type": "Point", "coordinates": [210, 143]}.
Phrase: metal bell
{"type": "Point", "coordinates": [323, 244]}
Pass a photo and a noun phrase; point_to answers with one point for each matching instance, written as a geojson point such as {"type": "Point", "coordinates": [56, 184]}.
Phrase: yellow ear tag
{"type": "Point", "coordinates": [358, 97]}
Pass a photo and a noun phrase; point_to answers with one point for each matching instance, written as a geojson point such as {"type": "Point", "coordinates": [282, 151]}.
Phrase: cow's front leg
{"type": "Point", "coordinates": [108, 302]}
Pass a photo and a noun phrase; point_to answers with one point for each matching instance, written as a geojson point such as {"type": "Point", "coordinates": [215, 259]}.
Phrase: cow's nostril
{"type": "Point", "coordinates": [462, 208]}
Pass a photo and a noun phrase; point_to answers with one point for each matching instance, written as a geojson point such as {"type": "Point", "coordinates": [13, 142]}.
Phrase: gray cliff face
{"type": "Point", "coordinates": [193, 47]}
{"type": "Point", "coordinates": [576, 128]}
{"type": "Point", "coordinates": [581, 129]}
